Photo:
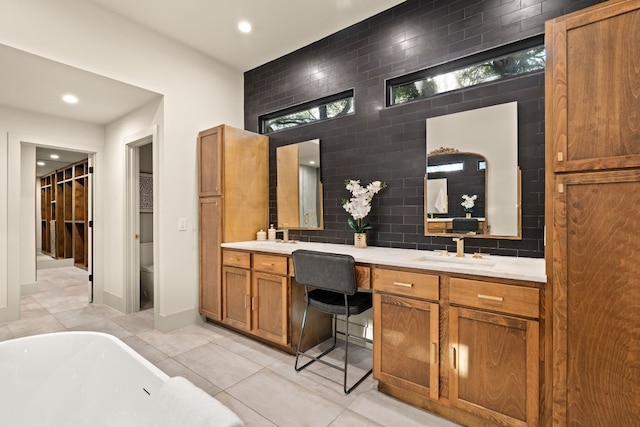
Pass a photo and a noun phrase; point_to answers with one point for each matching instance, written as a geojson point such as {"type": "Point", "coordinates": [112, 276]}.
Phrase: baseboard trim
{"type": "Point", "coordinates": [168, 323]}
{"type": "Point", "coordinates": [27, 289]}
{"type": "Point", "coordinates": [113, 301]}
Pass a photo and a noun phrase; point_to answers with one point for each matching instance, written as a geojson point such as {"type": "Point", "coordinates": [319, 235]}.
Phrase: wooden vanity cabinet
{"type": "Point", "coordinates": [255, 289]}
{"type": "Point", "coordinates": [494, 351]}
{"type": "Point", "coordinates": [592, 176]}
{"type": "Point", "coordinates": [406, 330]}
{"type": "Point", "coordinates": [233, 204]}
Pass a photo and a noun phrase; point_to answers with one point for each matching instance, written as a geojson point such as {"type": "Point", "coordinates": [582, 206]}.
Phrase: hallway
{"type": "Point", "coordinates": [256, 381]}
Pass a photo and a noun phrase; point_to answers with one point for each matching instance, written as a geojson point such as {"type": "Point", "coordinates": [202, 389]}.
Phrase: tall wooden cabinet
{"type": "Point", "coordinates": [64, 197]}
{"type": "Point", "coordinates": [592, 214]}
{"type": "Point", "coordinates": [233, 199]}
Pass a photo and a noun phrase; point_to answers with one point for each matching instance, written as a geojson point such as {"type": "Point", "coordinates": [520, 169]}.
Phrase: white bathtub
{"type": "Point", "coordinates": [93, 379]}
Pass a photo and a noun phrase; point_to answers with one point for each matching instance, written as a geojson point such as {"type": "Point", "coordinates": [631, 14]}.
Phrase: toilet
{"type": "Point", "coordinates": [146, 271]}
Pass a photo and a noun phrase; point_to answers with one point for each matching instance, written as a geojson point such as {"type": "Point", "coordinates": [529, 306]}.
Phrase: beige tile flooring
{"type": "Point", "coordinates": [256, 381]}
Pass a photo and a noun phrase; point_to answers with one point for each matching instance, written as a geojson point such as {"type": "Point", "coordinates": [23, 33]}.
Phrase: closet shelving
{"type": "Point", "coordinates": [64, 207]}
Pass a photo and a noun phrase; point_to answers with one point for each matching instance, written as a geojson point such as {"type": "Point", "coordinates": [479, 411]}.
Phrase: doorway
{"type": "Point", "coordinates": [141, 243]}
{"type": "Point", "coordinates": [64, 212]}
{"type": "Point", "coordinates": [145, 163]}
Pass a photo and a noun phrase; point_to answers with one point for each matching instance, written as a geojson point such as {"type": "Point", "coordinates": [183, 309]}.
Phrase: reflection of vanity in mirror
{"type": "Point", "coordinates": [473, 153]}
{"type": "Point", "coordinates": [299, 189]}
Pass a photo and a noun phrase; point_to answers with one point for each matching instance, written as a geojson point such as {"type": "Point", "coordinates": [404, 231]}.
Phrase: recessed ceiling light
{"type": "Point", "coordinates": [244, 26]}
{"type": "Point", "coordinates": [70, 99]}
{"type": "Point", "coordinates": [54, 156]}
{"type": "Point", "coordinates": [40, 163]}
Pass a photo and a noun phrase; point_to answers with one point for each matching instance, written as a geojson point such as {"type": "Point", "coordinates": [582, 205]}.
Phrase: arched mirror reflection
{"type": "Point", "coordinates": [299, 189]}
{"type": "Point", "coordinates": [480, 142]}
{"type": "Point", "coordinates": [456, 193]}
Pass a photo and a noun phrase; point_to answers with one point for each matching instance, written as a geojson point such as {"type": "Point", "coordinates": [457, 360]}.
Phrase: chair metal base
{"type": "Point", "coordinates": [318, 358]}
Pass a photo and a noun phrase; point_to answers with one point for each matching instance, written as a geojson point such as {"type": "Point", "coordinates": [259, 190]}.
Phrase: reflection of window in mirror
{"type": "Point", "coordinates": [449, 177]}
{"type": "Point", "coordinates": [299, 189]}
{"type": "Point", "coordinates": [492, 133]}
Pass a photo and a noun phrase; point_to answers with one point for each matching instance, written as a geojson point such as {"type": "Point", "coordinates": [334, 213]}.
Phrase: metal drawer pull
{"type": "Point", "coordinates": [233, 259]}
{"type": "Point", "coordinates": [434, 352]}
{"type": "Point", "coordinates": [404, 285]}
{"type": "Point", "coordinates": [490, 297]}
{"type": "Point", "coordinates": [267, 264]}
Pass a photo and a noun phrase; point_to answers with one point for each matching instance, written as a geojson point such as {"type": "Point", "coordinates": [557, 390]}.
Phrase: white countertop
{"type": "Point", "coordinates": [517, 268]}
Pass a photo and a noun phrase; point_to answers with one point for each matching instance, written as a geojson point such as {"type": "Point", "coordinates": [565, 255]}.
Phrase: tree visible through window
{"type": "Point", "coordinates": [431, 82]}
{"type": "Point", "coordinates": [321, 109]}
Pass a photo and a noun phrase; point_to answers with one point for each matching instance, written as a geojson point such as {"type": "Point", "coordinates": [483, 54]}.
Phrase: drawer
{"type": "Point", "coordinates": [363, 274]}
{"type": "Point", "coordinates": [407, 283]}
{"type": "Point", "coordinates": [236, 258]}
{"type": "Point", "coordinates": [270, 263]}
{"type": "Point", "coordinates": [510, 299]}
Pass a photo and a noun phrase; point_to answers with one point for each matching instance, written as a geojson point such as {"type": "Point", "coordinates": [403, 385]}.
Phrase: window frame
{"type": "Point", "coordinates": [306, 106]}
{"type": "Point", "coordinates": [458, 64]}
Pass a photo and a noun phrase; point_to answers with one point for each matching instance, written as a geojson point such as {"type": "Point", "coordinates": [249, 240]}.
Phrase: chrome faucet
{"type": "Point", "coordinates": [459, 246]}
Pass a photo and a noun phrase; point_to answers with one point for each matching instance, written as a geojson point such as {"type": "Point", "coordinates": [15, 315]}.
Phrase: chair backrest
{"type": "Point", "coordinates": [331, 272]}
{"type": "Point", "coordinates": [464, 224]}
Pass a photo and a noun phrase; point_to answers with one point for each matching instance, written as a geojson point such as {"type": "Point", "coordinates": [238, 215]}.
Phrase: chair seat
{"type": "Point", "coordinates": [333, 303]}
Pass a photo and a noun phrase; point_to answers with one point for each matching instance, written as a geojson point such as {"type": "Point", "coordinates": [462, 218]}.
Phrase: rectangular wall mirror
{"type": "Point", "coordinates": [472, 182]}
{"type": "Point", "coordinates": [299, 188]}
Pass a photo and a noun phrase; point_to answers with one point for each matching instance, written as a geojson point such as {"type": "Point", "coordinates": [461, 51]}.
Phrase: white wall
{"type": "Point", "coordinates": [198, 93]}
{"type": "Point", "coordinates": [22, 130]}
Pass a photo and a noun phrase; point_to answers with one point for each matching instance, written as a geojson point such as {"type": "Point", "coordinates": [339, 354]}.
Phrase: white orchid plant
{"type": "Point", "coordinates": [359, 205]}
{"type": "Point", "coordinates": [468, 202]}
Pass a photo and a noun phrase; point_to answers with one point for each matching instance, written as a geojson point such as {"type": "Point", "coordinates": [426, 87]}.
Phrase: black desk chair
{"type": "Point", "coordinates": [330, 286]}
{"type": "Point", "coordinates": [464, 225]}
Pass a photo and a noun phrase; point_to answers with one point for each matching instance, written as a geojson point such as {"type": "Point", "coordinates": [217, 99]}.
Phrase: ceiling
{"type": "Point", "coordinates": [32, 83]}
{"type": "Point", "coordinates": [279, 26]}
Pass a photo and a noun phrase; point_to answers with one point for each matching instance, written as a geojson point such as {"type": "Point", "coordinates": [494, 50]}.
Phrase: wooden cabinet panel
{"type": "Point", "coordinates": [592, 85]}
{"type": "Point", "coordinates": [363, 276]}
{"type": "Point", "coordinates": [511, 299]}
{"type": "Point", "coordinates": [210, 162]}
{"type": "Point", "coordinates": [593, 125]}
{"type": "Point", "coordinates": [236, 297]}
{"type": "Point", "coordinates": [596, 304]}
{"type": "Point", "coordinates": [210, 235]}
{"type": "Point", "coordinates": [232, 167]}
{"type": "Point", "coordinates": [406, 343]}
{"type": "Point", "coordinates": [418, 285]}
{"type": "Point", "coordinates": [494, 366]}
{"type": "Point", "coordinates": [270, 306]}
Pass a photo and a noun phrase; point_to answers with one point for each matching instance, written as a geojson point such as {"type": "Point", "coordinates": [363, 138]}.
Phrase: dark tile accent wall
{"type": "Point", "coordinates": [388, 144]}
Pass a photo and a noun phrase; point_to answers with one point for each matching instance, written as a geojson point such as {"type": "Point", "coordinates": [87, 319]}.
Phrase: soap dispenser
{"type": "Point", "coordinates": [271, 233]}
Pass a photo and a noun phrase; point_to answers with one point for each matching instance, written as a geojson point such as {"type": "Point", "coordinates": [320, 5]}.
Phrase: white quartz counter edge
{"type": "Point", "coordinates": [517, 268]}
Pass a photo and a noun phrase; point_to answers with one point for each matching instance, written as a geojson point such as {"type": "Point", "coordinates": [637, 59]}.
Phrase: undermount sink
{"type": "Point", "coordinates": [452, 258]}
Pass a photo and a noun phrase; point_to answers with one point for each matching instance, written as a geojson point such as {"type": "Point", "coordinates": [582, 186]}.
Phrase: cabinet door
{"type": "Point", "coordinates": [406, 344]}
{"type": "Point", "coordinates": [596, 299]}
{"type": "Point", "coordinates": [210, 256]}
{"type": "Point", "coordinates": [210, 162]}
{"type": "Point", "coordinates": [494, 366]}
{"type": "Point", "coordinates": [236, 297]}
{"type": "Point", "coordinates": [269, 307]}
{"type": "Point", "coordinates": [592, 82]}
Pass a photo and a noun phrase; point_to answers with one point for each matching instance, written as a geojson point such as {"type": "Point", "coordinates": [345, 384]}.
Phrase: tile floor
{"type": "Point", "coordinates": [256, 381]}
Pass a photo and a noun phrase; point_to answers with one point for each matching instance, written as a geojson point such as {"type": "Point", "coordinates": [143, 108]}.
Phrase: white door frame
{"type": "Point", "coordinates": [132, 217]}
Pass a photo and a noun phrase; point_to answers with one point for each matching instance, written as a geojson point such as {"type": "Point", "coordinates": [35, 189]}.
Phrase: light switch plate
{"type": "Point", "coordinates": [182, 224]}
